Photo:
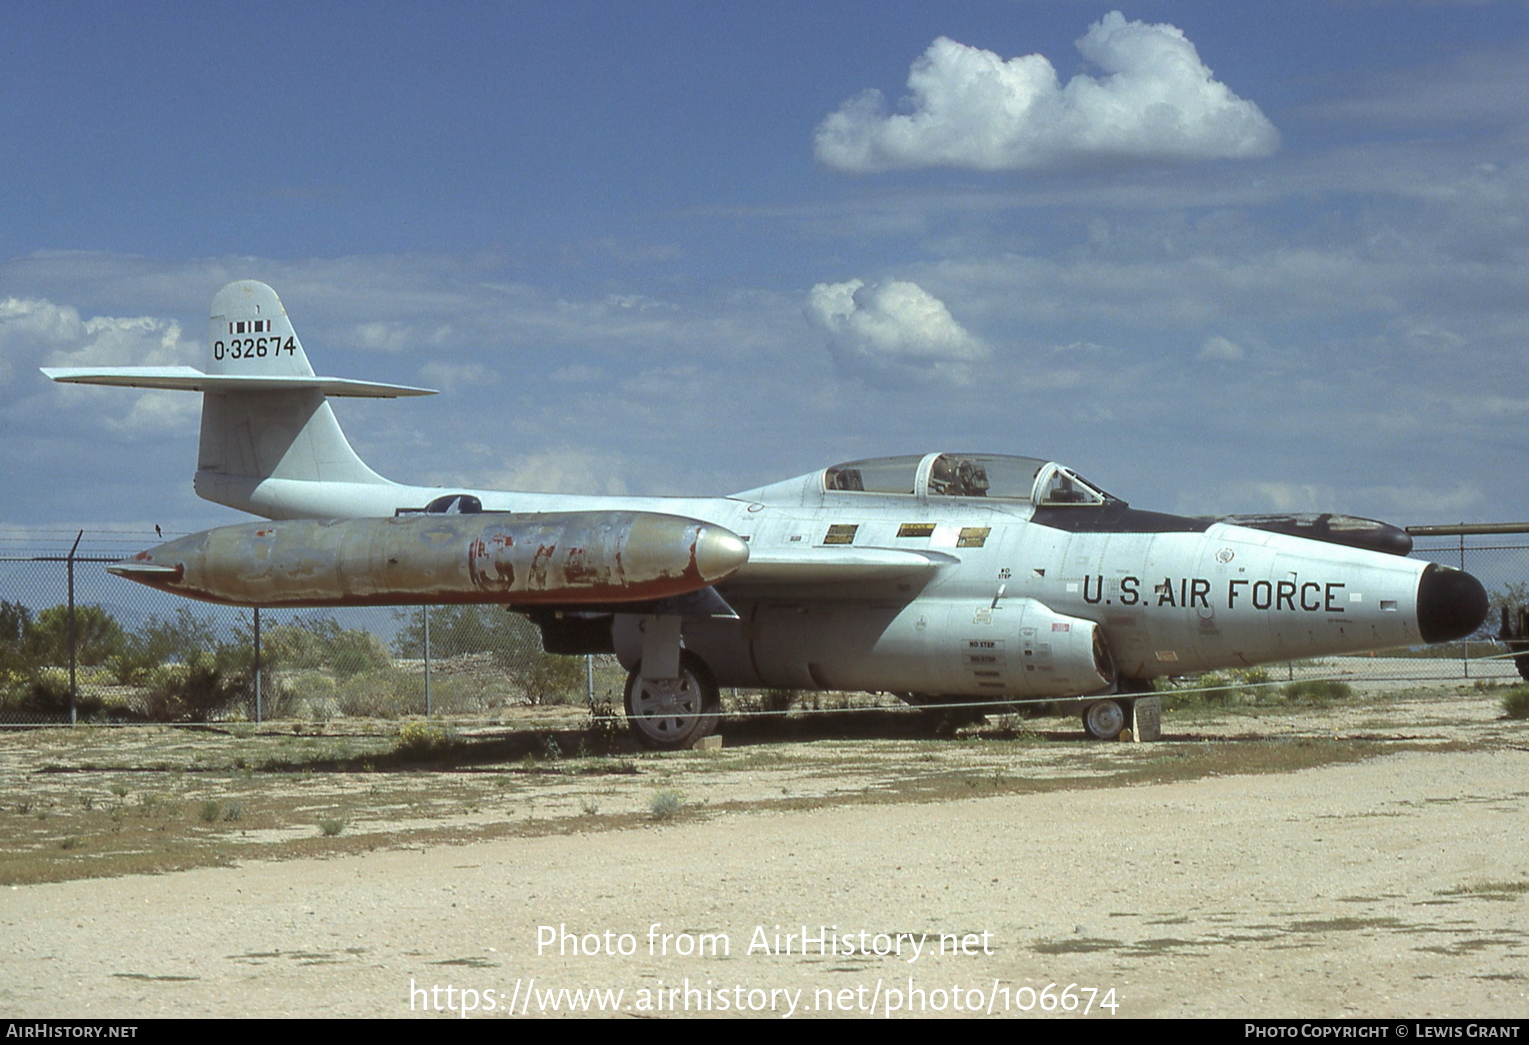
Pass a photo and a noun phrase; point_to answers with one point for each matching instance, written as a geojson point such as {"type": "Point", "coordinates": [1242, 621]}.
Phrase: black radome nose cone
{"type": "Point", "coordinates": [1451, 604]}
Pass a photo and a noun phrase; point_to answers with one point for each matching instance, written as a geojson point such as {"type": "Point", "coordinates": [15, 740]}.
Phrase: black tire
{"type": "Point", "coordinates": [1104, 719]}
{"type": "Point", "coordinates": [664, 722]}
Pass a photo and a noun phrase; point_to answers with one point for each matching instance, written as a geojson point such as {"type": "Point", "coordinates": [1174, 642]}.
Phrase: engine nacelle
{"type": "Point", "coordinates": [1019, 649]}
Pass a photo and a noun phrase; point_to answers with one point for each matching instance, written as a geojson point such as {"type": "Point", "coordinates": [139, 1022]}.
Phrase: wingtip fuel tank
{"type": "Point", "coordinates": [522, 560]}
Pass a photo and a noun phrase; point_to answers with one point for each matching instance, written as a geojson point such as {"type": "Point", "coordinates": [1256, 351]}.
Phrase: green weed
{"type": "Point", "coordinates": [665, 805]}
{"type": "Point", "coordinates": [1515, 702]}
{"type": "Point", "coordinates": [422, 740]}
{"type": "Point", "coordinates": [1317, 693]}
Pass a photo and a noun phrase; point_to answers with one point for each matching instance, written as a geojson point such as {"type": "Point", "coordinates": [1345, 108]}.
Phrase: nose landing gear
{"type": "Point", "coordinates": [1104, 719]}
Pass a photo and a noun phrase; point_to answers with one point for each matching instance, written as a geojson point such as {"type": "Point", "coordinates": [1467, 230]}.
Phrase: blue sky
{"type": "Point", "coordinates": [1225, 257]}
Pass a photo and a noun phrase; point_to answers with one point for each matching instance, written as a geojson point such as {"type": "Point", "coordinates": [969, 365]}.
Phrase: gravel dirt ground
{"type": "Point", "coordinates": [1381, 872]}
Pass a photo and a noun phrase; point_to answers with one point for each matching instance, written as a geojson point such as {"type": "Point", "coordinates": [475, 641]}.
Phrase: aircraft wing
{"type": "Point", "coordinates": [190, 379]}
{"type": "Point", "coordinates": [806, 567]}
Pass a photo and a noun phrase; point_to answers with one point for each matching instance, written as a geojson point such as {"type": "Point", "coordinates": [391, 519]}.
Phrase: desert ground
{"type": "Point", "coordinates": [1363, 859]}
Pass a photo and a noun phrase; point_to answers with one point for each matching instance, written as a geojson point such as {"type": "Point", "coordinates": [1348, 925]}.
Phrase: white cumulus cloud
{"type": "Point", "coordinates": [565, 469]}
{"type": "Point", "coordinates": [1218, 347]}
{"type": "Point", "coordinates": [383, 337]}
{"type": "Point", "coordinates": [1154, 99]}
{"type": "Point", "coordinates": [40, 333]}
{"type": "Point", "coordinates": [36, 332]}
{"type": "Point", "coordinates": [896, 323]}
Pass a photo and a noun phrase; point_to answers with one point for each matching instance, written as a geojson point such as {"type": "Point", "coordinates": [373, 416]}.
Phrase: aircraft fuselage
{"type": "Point", "coordinates": [1000, 597]}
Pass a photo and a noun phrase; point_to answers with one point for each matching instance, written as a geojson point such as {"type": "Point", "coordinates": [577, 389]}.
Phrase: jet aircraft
{"type": "Point", "coordinates": [943, 578]}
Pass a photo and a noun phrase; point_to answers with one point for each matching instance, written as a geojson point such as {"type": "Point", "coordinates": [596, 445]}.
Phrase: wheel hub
{"type": "Point", "coordinates": [668, 713]}
{"type": "Point", "coordinates": [1104, 720]}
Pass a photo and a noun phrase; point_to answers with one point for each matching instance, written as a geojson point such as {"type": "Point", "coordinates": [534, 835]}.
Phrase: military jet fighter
{"type": "Point", "coordinates": [944, 578]}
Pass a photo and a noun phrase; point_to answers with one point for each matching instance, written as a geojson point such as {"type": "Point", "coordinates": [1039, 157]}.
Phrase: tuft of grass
{"type": "Point", "coordinates": [1317, 693]}
{"type": "Point", "coordinates": [233, 811]}
{"type": "Point", "coordinates": [1490, 890]}
{"type": "Point", "coordinates": [604, 730]}
{"type": "Point", "coordinates": [590, 806]}
{"type": "Point", "coordinates": [1216, 689]}
{"type": "Point", "coordinates": [332, 827]}
{"type": "Point", "coordinates": [209, 811]}
{"type": "Point", "coordinates": [1515, 702]}
{"type": "Point", "coordinates": [777, 700]}
{"type": "Point", "coordinates": [71, 842]}
{"type": "Point", "coordinates": [550, 749]}
{"type": "Point", "coordinates": [1074, 945]}
{"type": "Point", "coordinates": [665, 805]}
{"type": "Point", "coordinates": [422, 740]}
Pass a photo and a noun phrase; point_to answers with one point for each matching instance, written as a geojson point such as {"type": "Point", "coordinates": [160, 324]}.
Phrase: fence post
{"type": "Point", "coordinates": [1465, 648]}
{"type": "Point", "coordinates": [427, 660]}
{"type": "Point", "coordinates": [73, 689]}
{"type": "Point", "coordinates": [257, 665]}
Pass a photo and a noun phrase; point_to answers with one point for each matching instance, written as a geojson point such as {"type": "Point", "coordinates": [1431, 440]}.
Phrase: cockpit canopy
{"type": "Point", "coordinates": [992, 476]}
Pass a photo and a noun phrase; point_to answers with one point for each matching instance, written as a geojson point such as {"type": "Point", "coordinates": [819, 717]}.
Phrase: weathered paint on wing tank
{"type": "Point", "coordinates": [536, 559]}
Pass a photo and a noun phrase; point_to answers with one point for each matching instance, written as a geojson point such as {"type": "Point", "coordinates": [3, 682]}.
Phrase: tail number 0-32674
{"type": "Point", "coordinates": [253, 348]}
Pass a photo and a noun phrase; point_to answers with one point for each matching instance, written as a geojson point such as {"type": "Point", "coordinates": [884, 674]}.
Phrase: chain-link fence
{"type": "Point", "coordinates": [128, 653]}
{"type": "Point", "coordinates": [78, 644]}
{"type": "Point", "coordinates": [1500, 560]}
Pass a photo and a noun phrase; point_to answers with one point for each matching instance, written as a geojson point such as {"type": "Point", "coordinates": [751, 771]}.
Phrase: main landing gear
{"type": "Point", "coordinates": [672, 714]}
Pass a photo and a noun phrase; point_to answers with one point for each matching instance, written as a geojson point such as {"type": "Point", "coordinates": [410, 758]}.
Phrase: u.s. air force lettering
{"type": "Point", "coordinates": [1190, 592]}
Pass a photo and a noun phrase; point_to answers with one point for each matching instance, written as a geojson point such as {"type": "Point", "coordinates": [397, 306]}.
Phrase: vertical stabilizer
{"type": "Point", "coordinates": [249, 334]}
{"type": "Point", "coordinates": [266, 421]}
{"type": "Point", "coordinates": [285, 433]}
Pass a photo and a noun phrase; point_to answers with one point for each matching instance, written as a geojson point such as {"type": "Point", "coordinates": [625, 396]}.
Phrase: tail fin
{"type": "Point", "coordinates": [289, 432]}
{"type": "Point", "coordinates": [249, 334]}
{"type": "Point", "coordinates": [265, 414]}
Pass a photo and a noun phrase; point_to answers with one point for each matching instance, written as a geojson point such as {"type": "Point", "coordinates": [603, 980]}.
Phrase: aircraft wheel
{"type": "Point", "coordinates": [1104, 719]}
{"type": "Point", "coordinates": [673, 716]}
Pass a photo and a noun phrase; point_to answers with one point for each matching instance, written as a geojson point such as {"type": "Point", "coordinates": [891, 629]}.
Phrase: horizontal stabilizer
{"type": "Point", "coordinates": [190, 379]}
